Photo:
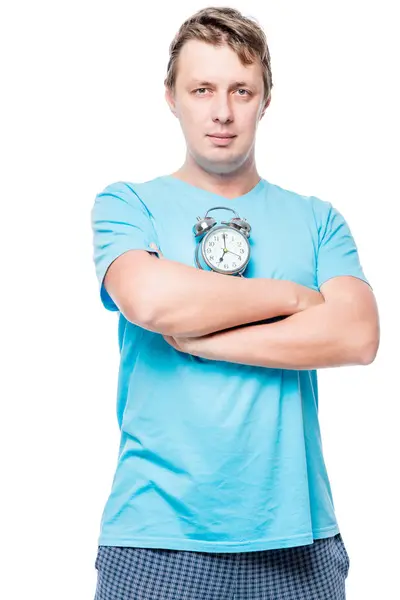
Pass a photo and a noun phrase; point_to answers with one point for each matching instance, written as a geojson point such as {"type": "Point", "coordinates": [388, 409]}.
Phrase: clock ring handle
{"type": "Point", "coordinates": [237, 222]}
{"type": "Point", "coordinates": [223, 207]}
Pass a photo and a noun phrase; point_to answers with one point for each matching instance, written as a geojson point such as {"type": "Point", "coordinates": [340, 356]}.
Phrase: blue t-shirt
{"type": "Point", "coordinates": [217, 456]}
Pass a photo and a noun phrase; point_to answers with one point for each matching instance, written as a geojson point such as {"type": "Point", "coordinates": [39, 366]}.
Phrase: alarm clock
{"type": "Point", "coordinates": [223, 248]}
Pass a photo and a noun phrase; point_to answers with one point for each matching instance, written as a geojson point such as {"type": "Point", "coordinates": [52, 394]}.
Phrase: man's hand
{"type": "Point", "coordinates": [197, 346]}
{"type": "Point", "coordinates": [156, 249]}
{"type": "Point", "coordinates": [177, 343]}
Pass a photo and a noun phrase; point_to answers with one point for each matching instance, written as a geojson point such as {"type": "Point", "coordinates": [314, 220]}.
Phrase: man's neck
{"type": "Point", "coordinates": [229, 185]}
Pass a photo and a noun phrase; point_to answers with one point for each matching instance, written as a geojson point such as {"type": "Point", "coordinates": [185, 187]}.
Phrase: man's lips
{"type": "Point", "coordinates": [221, 135]}
{"type": "Point", "coordinates": [221, 140]}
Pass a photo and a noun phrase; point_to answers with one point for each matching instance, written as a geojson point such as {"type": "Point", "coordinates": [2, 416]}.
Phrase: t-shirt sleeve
{"type": "Point", "coordinates": [120, 222]}
{"type": "Point", "coordinates": [337, 251]}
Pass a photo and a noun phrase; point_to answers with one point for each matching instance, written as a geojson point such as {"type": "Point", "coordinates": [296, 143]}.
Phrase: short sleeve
{"type": "Point", "coordinates": [120, 222]}
{"type": "Point", "coordinates": [337, 251]}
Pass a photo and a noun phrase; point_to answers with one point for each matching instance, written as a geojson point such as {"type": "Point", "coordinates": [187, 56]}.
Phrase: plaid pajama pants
{"type": "Point", "coordinates": [313, 572]}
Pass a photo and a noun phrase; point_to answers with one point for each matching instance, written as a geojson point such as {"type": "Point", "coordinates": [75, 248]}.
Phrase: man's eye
{"type": "Point", "coordinates": [247, 93]}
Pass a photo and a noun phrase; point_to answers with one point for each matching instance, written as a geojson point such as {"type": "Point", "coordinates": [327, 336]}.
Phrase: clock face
{"type": "Point", "coordinates": [225, 250]}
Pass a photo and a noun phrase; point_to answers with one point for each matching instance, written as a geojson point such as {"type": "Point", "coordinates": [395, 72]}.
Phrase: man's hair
{"type": "Point", "coordinates": [219, 26]}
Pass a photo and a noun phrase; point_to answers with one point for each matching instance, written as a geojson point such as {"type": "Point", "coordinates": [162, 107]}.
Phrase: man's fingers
{"type": "Point", "coordinates": [154, 246]}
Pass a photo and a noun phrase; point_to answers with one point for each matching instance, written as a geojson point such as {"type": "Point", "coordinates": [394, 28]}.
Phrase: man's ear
{"type": "Point", "coordinates": [268, 102]}
{"type": "Point", "coordinates": [169, 97]}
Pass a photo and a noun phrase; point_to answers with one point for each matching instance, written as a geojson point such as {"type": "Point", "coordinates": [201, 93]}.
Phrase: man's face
{"type": "Point", "coordinates": [216, 94]}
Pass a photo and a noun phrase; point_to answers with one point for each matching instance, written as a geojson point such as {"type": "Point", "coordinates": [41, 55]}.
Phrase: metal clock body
{"type": "Point", "coordinates": [222, 248]}
{"type": "Point", "coordinates": [225, 250]}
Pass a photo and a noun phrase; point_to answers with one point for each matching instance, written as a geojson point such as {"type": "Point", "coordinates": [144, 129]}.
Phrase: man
{"type": "Point", "coordinates": [221, 490]}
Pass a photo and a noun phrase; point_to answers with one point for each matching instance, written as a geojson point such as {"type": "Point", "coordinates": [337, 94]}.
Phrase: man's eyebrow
{"type": "Point", "coordinates": [208, 83]}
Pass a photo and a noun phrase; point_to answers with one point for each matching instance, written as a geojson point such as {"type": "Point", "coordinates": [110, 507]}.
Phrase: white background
{"type": "Point", "coordinates": [83, 106]}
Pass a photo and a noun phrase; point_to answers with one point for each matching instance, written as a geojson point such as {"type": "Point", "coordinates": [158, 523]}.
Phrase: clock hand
{"type": "Point", "coordinates": [223, 249]}
{"type": "Point", "coordinates": [223, 255]}
{"type": "Point", "coordinates": [226, 249]}
{"type": "Point", "coordinates": [233, 253]}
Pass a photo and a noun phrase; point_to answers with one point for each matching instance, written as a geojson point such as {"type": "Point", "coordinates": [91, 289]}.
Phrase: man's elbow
{"type": "Point", "coordinates": [369, 349]}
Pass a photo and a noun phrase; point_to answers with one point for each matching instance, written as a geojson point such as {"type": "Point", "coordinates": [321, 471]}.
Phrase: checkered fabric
{"type": "Point", "coordinates": [313, 572]}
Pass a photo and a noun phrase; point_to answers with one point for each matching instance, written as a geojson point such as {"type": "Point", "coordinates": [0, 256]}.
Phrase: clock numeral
{"type": "Point", "coordinates": [233, 264]}
{"type": "Point", "coordinates": [212, 243]}
{"type": "Point", "coordinates": [226, 266]}
{"type": "Point", "coordinates": [241, 251]}
{"type": "Point", "coordinates": [216, 238]}
{"type": "Point", "coordinates": [208, 250]}
{"type": "Point", "coordinates": [211, 257]}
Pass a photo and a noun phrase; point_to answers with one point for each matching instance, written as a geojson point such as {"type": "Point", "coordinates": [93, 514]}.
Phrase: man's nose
{"type": "Point", "coordinates": [222, 109]}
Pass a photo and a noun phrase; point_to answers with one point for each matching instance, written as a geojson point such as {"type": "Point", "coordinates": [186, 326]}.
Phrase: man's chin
{"type": "Point", "coordinates": [220, 167]}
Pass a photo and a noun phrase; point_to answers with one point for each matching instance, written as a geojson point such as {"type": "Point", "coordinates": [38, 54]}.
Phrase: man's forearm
{"type": "Point", "coordinates": [315, 338]}
{"type": "Point", "coordinates": [185, 301]}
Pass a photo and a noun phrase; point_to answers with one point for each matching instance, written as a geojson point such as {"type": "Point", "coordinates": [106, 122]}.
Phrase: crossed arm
{"type": "Point", "coordinates": [344, 330]}
{"type": "Point", "coordinates": [215, 317]}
